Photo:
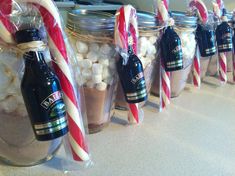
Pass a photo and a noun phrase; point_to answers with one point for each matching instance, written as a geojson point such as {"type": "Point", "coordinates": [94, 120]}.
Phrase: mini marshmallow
{"type": "Point", "coordinates": [104, 62]}
{"type": "Point", "coordinates": [97, 69]}
{"type": "Point", "coordinates": [86, 74]}
{"type": "Point", "coordinates": [101, 86]}
{"type": "Point", "coordinates": [105, 49]}
{"type": "Point", "coordinates": [106, 73]}
{"type": "Point", "coordinates": [80, 80]}
{"type": "Point", "coordinates": [90, 84]}
{"type": "Point", "coordinates": [86, 63]}
{"type": "Point", "coordinates": [92, 56]}
{"type": "Point", "coordinates": [94, 47]}
{"type": "Point", "coordinates": [143, 40]}
{"type": "Point", "coordinates": [97, 79]}
{"type": "Point", "coordinates": [151, 50]}
{"type": "Point", "coordinates": [82, 47]}
{"type": "Point", "coordinates": [153, 39]}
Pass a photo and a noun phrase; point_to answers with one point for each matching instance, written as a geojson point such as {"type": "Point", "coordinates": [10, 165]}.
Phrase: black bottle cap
{"type": "Point", "coordinates": [27, 35]}
{"type": "Point", "coordinates": [224, 12]}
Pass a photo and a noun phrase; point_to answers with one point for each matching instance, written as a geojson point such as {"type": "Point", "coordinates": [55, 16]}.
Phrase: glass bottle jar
{"type": "Point", "coordinates": [149, 33]}
{"type": "Point", "coordinates": [91, 35]}
{"type": "Point", "coordinates": [18, 145]}
{"type": "Point", "coordinates": [185, 27]}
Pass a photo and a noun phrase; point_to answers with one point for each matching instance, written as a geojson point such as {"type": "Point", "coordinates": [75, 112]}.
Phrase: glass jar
{"type": "Point", "coordinates": [149, 33]}
{"type": "Point", "coordinates": [185, 27]}
{"type": "Point", "coordinates": [18, 145]}
{"type": "Point", "coordinates": [91, 35]}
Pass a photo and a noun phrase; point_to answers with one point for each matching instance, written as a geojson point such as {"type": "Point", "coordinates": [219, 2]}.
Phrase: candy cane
{"type": "Point", "coordinates": [218, 6]}
{"type": "Point", "coordinates": [223, 68]}
{"type": "Point", "coordinates": [126, 21]}
{"type": "Point", "coordinates": [201, 7]}
{"type": "Point", "coordinates": [162, 10]}
{"type": "Point", "coordinates": [203, 15]}
{"type": "Point", "coordinates": [165, 88]}
{"type": "Point", "coordinates": [57, 45]}
{"type": "Point", "coordinates": [6, 27]}
{"type": "Point", "coordinates": [196, 69]}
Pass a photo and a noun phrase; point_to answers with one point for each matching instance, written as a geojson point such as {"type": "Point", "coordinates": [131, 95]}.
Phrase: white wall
{"type": "Point", "coordinates": [174, 4]}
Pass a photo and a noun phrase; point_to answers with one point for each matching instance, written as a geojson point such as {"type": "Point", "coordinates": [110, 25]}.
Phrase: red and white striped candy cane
{"type": "Point", "coordinates": [58, 48]}
{"type": "Point", "coordinates": [203, 15]}
{"type": "Point", "coordinates": [6, 27]}
{"type": "Point", "coordinates": [162, 10]}
{"type": "Point", "coordinates": [222, 57]}
{"type": "Point", "coordinates": [197, 69]}
{"type": "Point", "coordinates": [201, 7]}
{"type": "Point", "coordinates": [126, 22]}
{"type": "Point", "coordinates": [165, 83]}
{"type": "Point", "coordinates": [223, 68]}
{"type": "Point", "coordinates": [165, 88]}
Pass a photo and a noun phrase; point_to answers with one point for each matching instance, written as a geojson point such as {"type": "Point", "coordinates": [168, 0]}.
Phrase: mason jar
{"type": "Point", "coordinates": [18, 145]}
{"type": "Point", "coordinates": [149, 32]}
{"type": "Point", "coordinates": [91, 35]}
{"type": "Point", "coordinates": [185, 27]}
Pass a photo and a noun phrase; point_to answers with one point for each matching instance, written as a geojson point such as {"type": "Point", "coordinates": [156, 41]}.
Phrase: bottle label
{"type": "Point", "coordinates": [55, 110]}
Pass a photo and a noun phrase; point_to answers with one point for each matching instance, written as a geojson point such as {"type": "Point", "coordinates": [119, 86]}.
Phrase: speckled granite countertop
{"type": "Point", "coordinates": [195, 137]}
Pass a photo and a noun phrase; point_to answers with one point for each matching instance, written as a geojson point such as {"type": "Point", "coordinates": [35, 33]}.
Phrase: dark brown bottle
{"type": "Point", "coordinates": [41, 91]}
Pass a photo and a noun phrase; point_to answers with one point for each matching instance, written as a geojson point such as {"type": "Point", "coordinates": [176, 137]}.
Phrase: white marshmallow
{"type": "Point", "coordinates": [106, 73]}
{"type": "Point", "coordinates": [97, 69]}
{"type": "Point", "coordinates": [86, 63]}
{"type": "Point", "coordinates": [80, 80]}
{"type": "Point", "coordinates": [92, 56]}
{"type": "Point", "coordinates": [82, 47]}
{"type": "Point", "coordinates": [86, 74]}
{"type": "Point", "coordinates": [143, 40]}
{"type": "Point", "coordinates": [151, 50]}
{"type": "Point", "coordinates": [90, 84]}
{"type": "Point", "coordinates": [105, 49]}
{"type": "Point", "coordinates": [94, 47]}
{"type": "Point", "coordinates": [104, 62]}
{"type": "Point", "coordinates": [153, 39]}
{"type": "Point", "coordinates": [101, 86]}
{"type": "Point", "coordinates": [97, 79]}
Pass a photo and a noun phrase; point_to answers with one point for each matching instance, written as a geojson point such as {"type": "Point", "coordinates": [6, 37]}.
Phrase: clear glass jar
{"type": "Point", "coordinates": [185, 27]}
{"type": "Point", "coordinates": [91, 35]}
{"type": "Point", "coordinates": [149, 33]}
{"type": "Point", "coordinates": [18, 145]}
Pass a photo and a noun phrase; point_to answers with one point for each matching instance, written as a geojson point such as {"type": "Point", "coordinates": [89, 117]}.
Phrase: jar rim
{"type": "Point", "coordinates": [97, 20]}
{"type": "Point", "coordinates": [184, 20]}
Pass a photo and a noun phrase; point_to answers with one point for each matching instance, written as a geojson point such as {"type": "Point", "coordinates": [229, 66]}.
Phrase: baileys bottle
{"type": "Point", "coordinates": [132, 78]}
{"type": "Point", "coordinates": [171, 50]}
{"type": "Point", "coordinates": [41, 90]}
{"type": "Point", "coordinates": [224, 35]}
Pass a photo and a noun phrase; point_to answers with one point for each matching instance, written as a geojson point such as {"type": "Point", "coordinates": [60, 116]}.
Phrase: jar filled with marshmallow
{"type": "Point", "coordinates": [18, 145]}
{"type": "Point", "coordinates": [91, 35]}
{"type": "Point", "coordinates": [149, 33]}
{"type": "Point", "coordinates": [185, 27]}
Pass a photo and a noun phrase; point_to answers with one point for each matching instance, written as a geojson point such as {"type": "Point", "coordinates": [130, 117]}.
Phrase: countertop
{"type": "Point", "coordinates": [195, 136]}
